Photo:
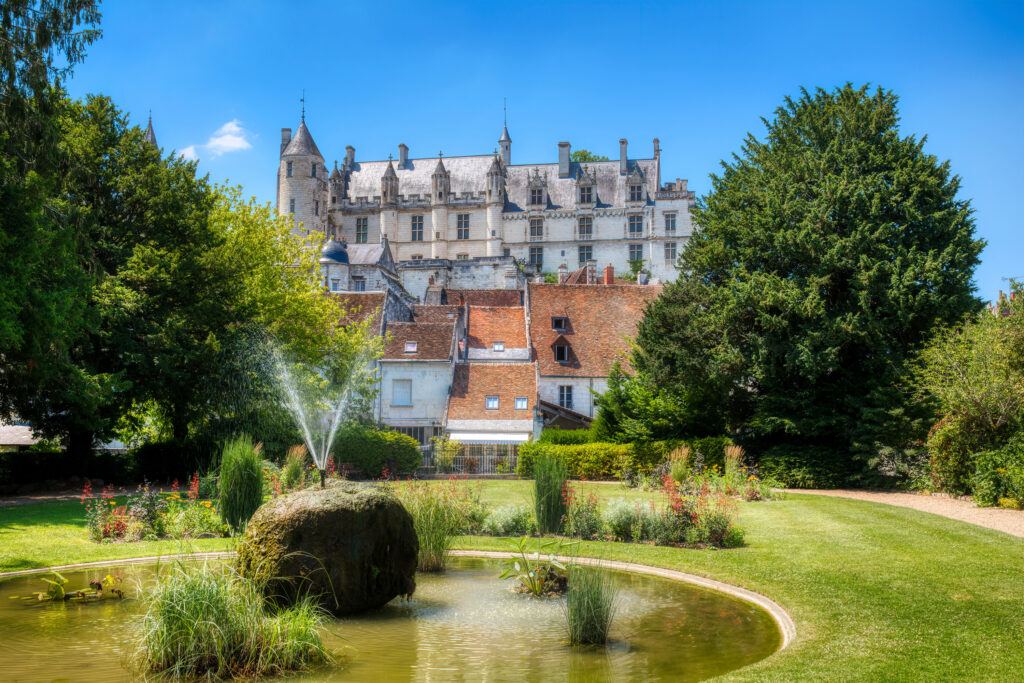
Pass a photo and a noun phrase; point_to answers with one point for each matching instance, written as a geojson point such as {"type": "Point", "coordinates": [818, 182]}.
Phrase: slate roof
{"type": "Point", "coordinates": [365, 254]}
{"type": "Point", "coordinates": [474, 382]}
{"type": "Point", "coordinates": [357, 307]}
{"type": "Point", "coordinates": [488, 324]}
{"type": "Point", "coordinates": [434, 341]}
{"type": "Point", "coordinates": [601, 318]}
{"type": "Point", "coordinates": [302, 144]}
{"type": "Point", "coordinates": [150, 135]}
{"type": "Point", "coordinates": [434, 314]}
{"type": "Point", "coordinates": [482, 297]}
{"type": "Point", "coordinates": [334, 251]}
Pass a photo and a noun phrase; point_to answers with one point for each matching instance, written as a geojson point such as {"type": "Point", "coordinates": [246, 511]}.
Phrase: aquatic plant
{"type": "Point", "coordinates": [535, 566]}
{"type": "Point", "coordinates": [589, 605]}
{"type": "Point", "coordinates": [549, 480]}
{"type": "Point", "coordinates": [241, 481]}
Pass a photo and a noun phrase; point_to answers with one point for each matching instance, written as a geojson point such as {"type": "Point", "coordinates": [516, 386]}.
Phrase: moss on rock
{"type": "Point", "coordinates": [353, 545]}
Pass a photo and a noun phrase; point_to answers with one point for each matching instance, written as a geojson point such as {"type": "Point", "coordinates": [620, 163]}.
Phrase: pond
{"type": "Point", "coordinates": [463, 625]}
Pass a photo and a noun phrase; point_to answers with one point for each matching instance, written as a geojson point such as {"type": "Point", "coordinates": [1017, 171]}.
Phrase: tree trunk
{"type": "Point", "coordinates": [80, 442]}
{"type": "Point", "coordinates": [179, 424]}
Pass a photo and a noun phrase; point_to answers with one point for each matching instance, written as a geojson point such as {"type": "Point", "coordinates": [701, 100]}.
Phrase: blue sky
{"type": "Point", "coordinates": [223, 78]}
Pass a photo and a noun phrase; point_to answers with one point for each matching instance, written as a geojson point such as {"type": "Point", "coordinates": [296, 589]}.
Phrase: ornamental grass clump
{"type": "Point", "coordinates": [241, 481]}
{"type": "Point", "coordinates": [589, 605]}
{"type": "Point", "coordinates": [208, 622]}
{"type": "Point", "coordinates": [439, 514]}
{"type": "Point", "coordinates": [294, 472]}
{"type": "Point", "coordinates": [549, 480]}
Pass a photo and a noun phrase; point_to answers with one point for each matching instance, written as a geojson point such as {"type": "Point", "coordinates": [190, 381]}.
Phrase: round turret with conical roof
{"type": "Point", "coordinates": [302, 190]}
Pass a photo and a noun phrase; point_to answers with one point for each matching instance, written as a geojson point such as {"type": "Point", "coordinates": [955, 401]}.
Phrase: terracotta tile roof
{"type": "Point", "coordinates": [483, 297]}
{"type": "Point", "coordinates": [599, 319]}
{"type": "Point", "coordinates": [474, 382]}
{"type": "Point", "coordinates": [434, 314]}
{"type": "Point", "coordinates": [488, 324]}
{"type": "Point", "coordinates": [360, 306]}
{"type": "Point", "coordinates": [433, 341]}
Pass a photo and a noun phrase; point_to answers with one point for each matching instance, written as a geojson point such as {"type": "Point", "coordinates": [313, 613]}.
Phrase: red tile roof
{"type": "Point", "coordinates": [488, 324]}
{"type": "Point", "coordinates": [356, 307]}
{"type": "Point", "coordinates": [434, 314]}
{"type": "Point", "coordinates": [483, 297]}
{"type": "Point", "coordinates": [600, 318]}
{"type": "Point", "coordinates": [474, 382]}
{"type": "Point", "coordinates": [434, 341]}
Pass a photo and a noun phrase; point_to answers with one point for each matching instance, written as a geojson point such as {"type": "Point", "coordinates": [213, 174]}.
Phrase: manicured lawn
{"type": "Point", "coordinates": [878, 593]}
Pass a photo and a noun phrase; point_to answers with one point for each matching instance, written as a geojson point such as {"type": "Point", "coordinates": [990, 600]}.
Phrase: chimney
{"type": "Point", "coordinates": [403, 155]}
{"type": "Point", "coordinates": [563, 274]}
{"type": "Point", "coordinates": [286, 137]}
{"type": "Point", "coordinates": [591, 272]}
{"type": "Point", "coordinates": [657, 148]}
{"type": "Point", "coordinates": [350, 156]}
{"type": "Point", "coordinates": [563, 159]}
{"type": "Point", "coordinates": [623, 158]}
{"type": "Point", "coordinates": [609, 274]}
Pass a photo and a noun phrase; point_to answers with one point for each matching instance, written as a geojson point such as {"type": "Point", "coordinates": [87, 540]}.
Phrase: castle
{"type": "Point", "coordinates": [486, 210]}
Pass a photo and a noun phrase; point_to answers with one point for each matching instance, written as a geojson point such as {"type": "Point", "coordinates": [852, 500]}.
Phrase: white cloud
{"type": "Point", "coordinates": [231, 137]}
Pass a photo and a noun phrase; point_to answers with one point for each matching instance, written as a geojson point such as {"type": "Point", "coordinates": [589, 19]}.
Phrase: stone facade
{"type": "Point", "coordinates": [478, 208]}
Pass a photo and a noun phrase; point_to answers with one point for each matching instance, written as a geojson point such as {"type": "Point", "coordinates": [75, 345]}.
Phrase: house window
{"type": "Point", "coordinates": [316, 207]}
{"type": "Point", "coordinates": [417, 228]}
{"type": "Point", "coordinates": [418, 433]}
{"type": "Point", "coordinates": [462, 257]}
{"type": "Point", "coordinates": [520, 403]}
{"type": "Point", "coordinates": [636, 226]}
{"type": "Point", "coordinates": [506, 252]}
{"type": "Point", "coordinates": [586, 254]}
{"type": "Point", "coordinates": [537, 256]}
{"type": "Point", "coordinates": [491, 403]}
{"type": "Point", "coordinates": [585, 228]}
{"type": "Point", "coordinates": [362, 229]}
{"type": "Point", "coordinates": [359, 284]}
{"type": "Point", "coordinates": [670, 252]}
{"type": "Point", "coordinates": [498, 346]}
{"type": "Point", "coordinates": [670, 222]}
{"type": "Point", "coordinates": [536, 196]}
{"type": "Point", "coordinates": [401, 392]}
{"type": "Point", "coordinates": [335, 285]}
{"type": "Point", "coordinates": [288, 169]}
{"type": "Point", "coordinates": [561, 353]}
{"type": "Point", "coordinates": [587, 195]}
{"type": "Point", "coordinates": [462, 226]}
{"type": "Point", "coordinates": [312, 171]}
{"type": "Point", "coordinates": [536, 228]}
{"type": "Point", "coordinates": [636, 252]}
{"type": "Point", "coordinates": [559, 324]}
{"type": "Point", "coordinates": [636, 193]}
{"type": "Point", "coordinates": [410, 346]}
{"type": "Point", "coordinates": [291, 206]}
{"type": "Point", "coordinates": [565, 396]}
{"type": "Point", "coordinates": [417, 257]}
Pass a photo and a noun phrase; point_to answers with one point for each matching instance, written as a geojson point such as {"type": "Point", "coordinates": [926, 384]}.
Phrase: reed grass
{"type": "Point", "coordinates": [294, 466]}
{"type": "Point", "coordinates": [589, 605]}
{"type": "Point", "coordinates": [438, 515]}
{"type": "Point", "coordinates": [549, 480]}
{"type": "Point", "coordinates": [207, 621]}
{"type": "Point", "coordinates": [241, 481]}
{"type": "Point", "coordinates": [733, 459]}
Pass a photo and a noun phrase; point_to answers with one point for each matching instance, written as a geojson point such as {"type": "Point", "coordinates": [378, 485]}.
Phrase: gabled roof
{"type": "Point", "coordinates": [434, 341]}
{"type": "Point", "coordinates": [602, 319]}
{"type": "Point", "coordinates": [302, 144]}
{"type": "Point", "coordinates": [357, 307]}
{"type": "Point", "coordinates": [474, 382]}
{"type": "Point", "coordinates": [482, 297]}
{"type": "Point", "coordinates": [16, 435]}
{"type": "Point", "coordinates": [488, 324]}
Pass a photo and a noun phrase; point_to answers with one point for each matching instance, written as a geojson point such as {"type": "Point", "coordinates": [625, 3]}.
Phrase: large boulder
{"type": "Point", "coordinates": [352, 545]}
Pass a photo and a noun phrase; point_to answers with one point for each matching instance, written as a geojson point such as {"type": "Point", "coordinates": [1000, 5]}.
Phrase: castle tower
{"type": "Point", "coordinates": [302, 181]}
{"type": "Point", "coordinates": [150, 136]}
{"type": "Point", "coordinates": [495, 207]}
{"type": "Point", "coordinates": [389, 202]}
{"type": "Point", "coordinates": [440, 188]}
{"type": "Point", "coordinates": [505, 145]}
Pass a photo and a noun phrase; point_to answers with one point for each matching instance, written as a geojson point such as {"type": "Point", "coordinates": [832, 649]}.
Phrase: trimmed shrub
{"type": "Point", "coordinates": [371, 450]}
{"type": "Point", "coordinates": [549, 480]}
{"type": "Point", "coordinates": [805, 467]}
{"type": "Point", "coordinates": [999, 475]}
{"type": "Point", "coordinates": [167, 460]}
{"type": "Point", "coordinates": [511, 520]}
{"type": "Point", "coordinates": [565, 437]}
{"type": "Point", "coordinates": [21, 468]}
{"type": "Point", "coordinates": [583, 461]}
{"type": "Point", "coordinates": [241, 481]}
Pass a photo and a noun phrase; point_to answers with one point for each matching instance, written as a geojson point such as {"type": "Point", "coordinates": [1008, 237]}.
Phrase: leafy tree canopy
{"type": "Point", "coordinates": [582, 155]}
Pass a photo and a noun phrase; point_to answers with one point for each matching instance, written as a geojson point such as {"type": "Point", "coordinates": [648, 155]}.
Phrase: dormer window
{"type": "Point", "coordinates": [536, 196]}
{"type": "Point", "coordinates": [491, 403]}
{"type": "Point", "coordinates": [288, 169]}
{"type": "Point", "coordinates": [312, 171]}
{"type": "Point", "coordinates": [498, 346]}
{"type": "Point", "coordinates": [561, 353]}
{"type": "Point", "coordinates": [636, 193]}
{"type": "Point", "coordinates": [559, 324]}
{"type": "Point", "coordinates": [587, 195]}
{"type": "Point", "coordinates": [410, 347]}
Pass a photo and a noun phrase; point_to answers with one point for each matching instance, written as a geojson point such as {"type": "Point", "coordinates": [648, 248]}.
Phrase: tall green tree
{"type": "Point", "coordinates": [581, 155]}
{"type": "Point", "coordinates": [826, 254]}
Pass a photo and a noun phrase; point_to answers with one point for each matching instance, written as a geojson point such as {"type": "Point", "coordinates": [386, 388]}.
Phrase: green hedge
{"type": "Point", "coordinates": [565, 436]}
{"type": "Point", "coordinates": [19, 468]}
{"type": "Point", "coordinates": [370, 450]}
{"type": "Point", "coordinates": [806, 467]}
{"type": "Point", "coordinates": [600, 460]}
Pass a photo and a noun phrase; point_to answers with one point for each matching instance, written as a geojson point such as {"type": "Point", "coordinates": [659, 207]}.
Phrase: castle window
{"type": "Point", "coordinates": [288, 169]}
{"type": "Point", "coordinates": [362, 230]}
{"type": "Point", "coordinates": [565, 396]}
{"type": "Point", "coordinates": [536, 229]}
{"type": "Point", "coordinates": [636, 193]}
{"type": "Point", "coordinates": [312, 171]}
{"type": "Point", "coordinates": [462, 229]}
{"type": "Point", "coordinates": [670, 252]}
{"type": "Point", "coordinates": [334, 199]}
{"type": "Point", "coordinates": [316, 207]}
{"type": "Point", "coordinates": [416, 257]}
{"type": "Point", "coordinates": [506, 252]}
{"type": "Point", "coordinates": [585, 228]}
{"type": "Point", "coordinates": [462, 257]}
{"type": "Point", "coordinates": [561, 353]}
{"type": "Point", "coordinates": [636, 226]}
{"type": "Point", "coordinates": [586, 254]}
{"type": "Point", "coordinates": [492, 403]}
{"type": "Point", "coordinates": [520, 403]}
{"type": "Point", "coordinates": [670, 222]}
{"type": "Point", "coordinates": [586, 195]}
{"type": "Point", "coordinates": [536, 196]}
{"type": "Point", "coordinates": [291, 206]}
{"type": "Point", "coordinates": [359, 284]}
{"type": "Point", "coordinates": [636, 252]}
{"type": "Point", "coordinates": [417, 228]}
{"type": "Point", "coordinates": [335, 285]}
{"type": "Point", "coordinates": [537, 256]}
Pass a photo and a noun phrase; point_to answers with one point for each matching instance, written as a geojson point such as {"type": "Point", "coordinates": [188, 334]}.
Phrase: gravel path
{"type": "Point", "coordinates": [1008, 521]}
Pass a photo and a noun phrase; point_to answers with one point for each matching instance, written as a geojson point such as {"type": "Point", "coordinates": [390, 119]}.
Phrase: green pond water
{"type": "Point", "coordinates": [462, 625]}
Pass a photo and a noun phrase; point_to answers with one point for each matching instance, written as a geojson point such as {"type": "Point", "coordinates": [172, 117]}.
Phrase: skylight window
{"type": "Point", "coordinates": [410, 347]}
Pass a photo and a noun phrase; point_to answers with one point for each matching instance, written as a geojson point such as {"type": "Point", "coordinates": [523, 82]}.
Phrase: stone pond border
{"type": "Point", "coordinates": [787, 627]}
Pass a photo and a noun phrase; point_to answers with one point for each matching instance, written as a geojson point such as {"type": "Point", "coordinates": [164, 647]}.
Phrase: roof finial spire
{"type": "Point", "coordinates": [505, 117]}
{"type": "Point", "coordinates": [303, 101]}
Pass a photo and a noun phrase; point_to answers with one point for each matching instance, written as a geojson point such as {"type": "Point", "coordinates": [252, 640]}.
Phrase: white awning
{"type": "Point", "coordinates": [485, 437]}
